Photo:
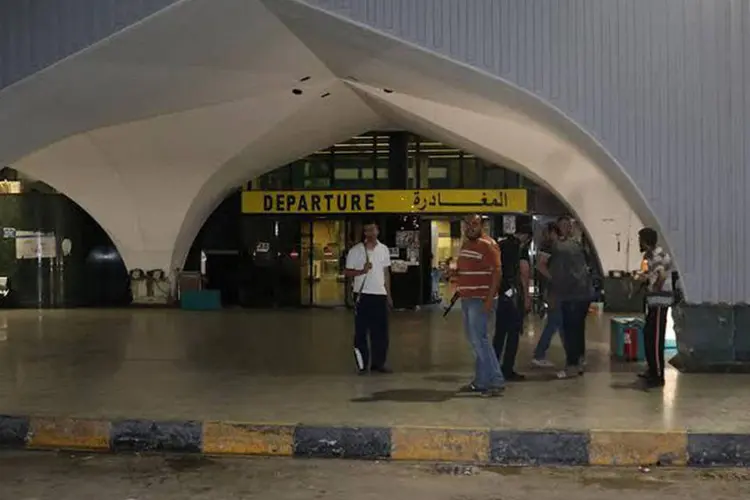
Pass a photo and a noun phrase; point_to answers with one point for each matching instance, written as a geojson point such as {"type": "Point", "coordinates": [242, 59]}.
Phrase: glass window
{"type": "Point", "coordinates": [513, 179]}
{"type": "Point", "coordinates": [277, 180]}
{"type": "Point", "coordinates": [439, 165]}
{"type": "Point", "coordinates": [311, 172]}
{"type": "Point", "coordinates": [322, 183]}
{"type": "Point", "coordinates": [381, 162]}
{"type": "Point", "coordinates": [353, 163]}
{"type": "Point", "coordinates": [363, 163]}
{"type": "Point", "coordinates": [495, 177]}
{"type": "Point", "coordinates": [472, 172]}
{"type": "Point", "coordinates": [443, 173]}
{"type": "Point", "coordinates": [346, 174]}
{"type": "Point", "coordinates": [438, 172]}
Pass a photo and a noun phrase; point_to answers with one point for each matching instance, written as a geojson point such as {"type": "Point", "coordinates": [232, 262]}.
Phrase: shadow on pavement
{"type": "Point", "coordinates": [408, 396]}
{"type": "Point", "coordinates": [633, 386]}
{"type": "Point", "coordinates": [447, 379]}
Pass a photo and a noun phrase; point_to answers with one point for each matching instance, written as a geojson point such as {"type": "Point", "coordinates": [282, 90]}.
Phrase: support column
{"type": "Point", "coordinates": [712, 338]}
{"type": "Point", "coordinates": [398, 160]}
{"type": "Point", "coordinates": [152, 276]}
{"type": "Point", "coordinates": [407, 287]}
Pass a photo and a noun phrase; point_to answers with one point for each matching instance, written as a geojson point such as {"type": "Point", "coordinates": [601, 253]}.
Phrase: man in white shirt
{"type": "Point", "coordinates": [369, 264]}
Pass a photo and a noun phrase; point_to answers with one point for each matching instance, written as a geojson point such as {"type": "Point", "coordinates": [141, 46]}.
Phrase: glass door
{"type": "Point", "coordinates": [327, 263]}
{"type": "Point", "coordinates": [306, 263]}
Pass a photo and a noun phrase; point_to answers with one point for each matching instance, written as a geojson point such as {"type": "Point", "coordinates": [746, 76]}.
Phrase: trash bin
{"type": "Point", "coordinates": [626, 340]}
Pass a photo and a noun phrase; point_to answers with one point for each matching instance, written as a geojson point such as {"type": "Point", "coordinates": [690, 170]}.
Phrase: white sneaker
{"type": "Point", "coordinates": [542, 363]}
{"type": "Point", "coordinates": [569, 372]}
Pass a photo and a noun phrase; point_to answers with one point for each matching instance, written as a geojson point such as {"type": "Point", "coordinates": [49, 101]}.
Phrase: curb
{"type": "Point", "coordinates": [473, 446]}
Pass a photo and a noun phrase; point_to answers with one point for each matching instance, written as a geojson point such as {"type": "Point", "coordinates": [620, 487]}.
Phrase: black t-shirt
{"type": "Point", "coordinates": [512, 253]}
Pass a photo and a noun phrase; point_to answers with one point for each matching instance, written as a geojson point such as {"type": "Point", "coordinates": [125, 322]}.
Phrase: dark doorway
{"type": "Point", "coordinates": [222, 273]}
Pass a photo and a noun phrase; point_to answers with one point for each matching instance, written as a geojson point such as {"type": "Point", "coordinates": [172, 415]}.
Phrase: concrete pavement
{"type": "Point", "coordinates": [45, 476]}
{"type": "Point", "coordinates": [281, 383]}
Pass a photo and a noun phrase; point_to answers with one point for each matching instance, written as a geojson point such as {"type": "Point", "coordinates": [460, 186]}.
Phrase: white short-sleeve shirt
{"type": "Point", "coordinates": [374, 280]}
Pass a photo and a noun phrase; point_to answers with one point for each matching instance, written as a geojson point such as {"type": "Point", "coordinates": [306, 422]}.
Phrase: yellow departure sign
{"type": "Point", "coordinates": [432, 201]}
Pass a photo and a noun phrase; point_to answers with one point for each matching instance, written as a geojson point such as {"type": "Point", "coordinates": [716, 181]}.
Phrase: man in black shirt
{"type": "Point", "coordinates": [515, 298]}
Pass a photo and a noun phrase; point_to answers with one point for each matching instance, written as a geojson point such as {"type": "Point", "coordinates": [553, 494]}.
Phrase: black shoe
{"type": "Point", "coordinates": [653, 383]}
{"type": "Point", "coordinates": [382, 370]}
{"type": "Point", "coordinates": [514, 377]}
{"type": "Point", "coordinates": [494, 392]}
{"type": "Point", "coordinates": [469, 389]}
{"type": "Point", "coordinates": [644, 375]}
{"type": "Point", "coordinates": [362, 372]}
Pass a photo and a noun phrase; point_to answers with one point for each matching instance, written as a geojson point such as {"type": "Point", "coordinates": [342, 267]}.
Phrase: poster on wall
{"type": "Point", "coordinates": [412, 256]}
{"type": "Point", "coordinates": [407, 239]}
{"type": "Point", "coordinates": [35, 245]}
{"type": "Point", "coordinates": [509, 224]}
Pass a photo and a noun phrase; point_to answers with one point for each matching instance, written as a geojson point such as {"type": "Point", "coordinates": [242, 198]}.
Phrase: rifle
{"type": "Point", "coordinates": [452, 303]}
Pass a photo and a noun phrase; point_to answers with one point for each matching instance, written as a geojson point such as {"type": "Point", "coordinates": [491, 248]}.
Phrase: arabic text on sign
{"type": "Point", "coordinates": [423, 202]}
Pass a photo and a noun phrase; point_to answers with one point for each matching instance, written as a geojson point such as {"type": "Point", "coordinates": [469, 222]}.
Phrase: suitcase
{"type": "Point", "coordinates": [626, 339]}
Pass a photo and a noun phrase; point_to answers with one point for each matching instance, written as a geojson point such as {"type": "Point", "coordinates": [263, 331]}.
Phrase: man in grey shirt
{"type": "Point", "coordinates": [570, 281]}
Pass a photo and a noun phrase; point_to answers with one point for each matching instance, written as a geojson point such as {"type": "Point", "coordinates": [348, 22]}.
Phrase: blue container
{"type": "Point", "coordinates": [200, 300]}
{"type": "Point", "coordinates": [618, 327]}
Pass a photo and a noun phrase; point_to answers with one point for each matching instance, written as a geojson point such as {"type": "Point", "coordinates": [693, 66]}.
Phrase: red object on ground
{"type": "Point", "coordinates": [630, 350]}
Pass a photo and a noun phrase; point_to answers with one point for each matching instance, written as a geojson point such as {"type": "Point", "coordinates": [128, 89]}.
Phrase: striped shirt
{"type": "Point", "coordinates": [477, 261]}
{"type": "Point", "coordinates": [659, 265]}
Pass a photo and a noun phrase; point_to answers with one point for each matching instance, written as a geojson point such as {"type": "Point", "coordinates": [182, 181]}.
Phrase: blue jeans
{"type": "Point", "coordinates": [554, 324]}
{"type": "Point", "coordinates": [476, 321]}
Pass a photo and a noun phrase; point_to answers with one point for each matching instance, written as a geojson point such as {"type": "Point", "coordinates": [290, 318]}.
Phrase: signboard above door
{"type": "Point", "coordinates": [426, 201]}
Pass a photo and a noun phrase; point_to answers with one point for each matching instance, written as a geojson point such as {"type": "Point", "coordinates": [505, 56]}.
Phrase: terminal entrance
{"type": "Point", "coordinates": [288, 231]}
{"type": "Point", "coordinates": [322, 260]}
{"type": "Point", "coordinates": [300, 260]}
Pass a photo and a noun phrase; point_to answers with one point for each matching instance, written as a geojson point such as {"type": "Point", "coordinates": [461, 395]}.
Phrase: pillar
{"type": "Point", "coordinates": [398, 160]}
{"type": "Point", "coordinates": [407, 287]}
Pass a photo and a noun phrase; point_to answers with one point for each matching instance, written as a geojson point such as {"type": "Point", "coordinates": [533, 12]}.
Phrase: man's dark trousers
{"type": "Point", "coordinates": [574, 313]}
{"type": "Point", "coordinates": [371, 318]}
{"type": "Point", "coordinates": [508, 327]}
{"type": "Point", "coordinates": [654, 334]}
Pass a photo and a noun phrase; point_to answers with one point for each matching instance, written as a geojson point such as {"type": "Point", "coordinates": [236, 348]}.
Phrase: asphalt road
{"type": "Point", "coordinates": [40, 476]}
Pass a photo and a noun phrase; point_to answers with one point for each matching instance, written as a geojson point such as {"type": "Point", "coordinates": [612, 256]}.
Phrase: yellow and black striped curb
{"type": "Point", "coordinates": [475, 446]}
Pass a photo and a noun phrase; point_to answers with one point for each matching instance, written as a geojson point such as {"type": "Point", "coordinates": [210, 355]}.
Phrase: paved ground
{"type": "Point", "coordinates": [64, 477]}
{"type": "Point", "coordinates": [296, 366]}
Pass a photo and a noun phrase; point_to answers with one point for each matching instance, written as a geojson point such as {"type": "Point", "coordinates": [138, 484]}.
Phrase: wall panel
{"type": "Point", "coordinates": [35, 34]}
{"type": "Point", "coordinates": [664, 85]}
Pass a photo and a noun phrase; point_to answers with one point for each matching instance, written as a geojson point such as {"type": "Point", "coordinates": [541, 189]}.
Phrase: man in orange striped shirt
{"type": "Point", "coordinates": [478, 281]}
